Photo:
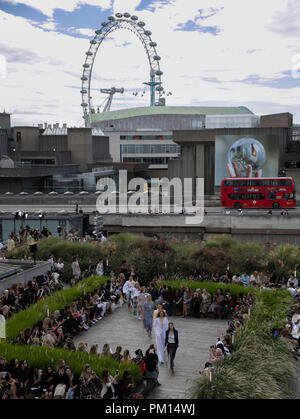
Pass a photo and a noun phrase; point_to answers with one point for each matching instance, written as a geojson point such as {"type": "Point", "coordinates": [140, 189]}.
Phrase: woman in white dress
{"type": "Point", "coordinates": [161, 325]}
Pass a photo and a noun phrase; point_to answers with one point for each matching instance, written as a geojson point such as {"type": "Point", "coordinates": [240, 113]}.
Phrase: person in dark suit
{"type": "Point", "coordinates": [172, 344]}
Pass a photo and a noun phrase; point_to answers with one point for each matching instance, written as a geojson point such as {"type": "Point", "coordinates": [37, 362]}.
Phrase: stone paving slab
{"type": "Point", "coordinates": [195, 338]}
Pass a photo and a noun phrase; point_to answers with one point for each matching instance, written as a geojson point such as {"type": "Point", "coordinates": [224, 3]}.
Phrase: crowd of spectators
{"type": "Point", "coordinates": [20, 296]}
{"type": "Point", "coordinates": [259, 279]}
{"type": "Point", "coordinates": [84, 312]}
{"type": "Point", "coordinates": [291, 330]}
{"type": "Point", "coordinates": [19, 381]}
{"type": "Point", "coordinates": [185, 303]}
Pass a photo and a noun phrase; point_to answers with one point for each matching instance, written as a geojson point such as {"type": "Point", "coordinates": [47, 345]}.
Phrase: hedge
{"type": "Point", "coordinates": [261, 367]}
{"type": "Point", "coordinates": [58, 300]}
{"type": "Point", "coordinates": [211, 287]}
{"type": "Point", "coordinates": [153, 258]}
{"type": "Point", "coordinates": [41, 356]}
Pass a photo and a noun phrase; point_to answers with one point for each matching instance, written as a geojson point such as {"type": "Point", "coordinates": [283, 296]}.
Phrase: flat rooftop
{"type": "Point", "coordinates": [168, 110]}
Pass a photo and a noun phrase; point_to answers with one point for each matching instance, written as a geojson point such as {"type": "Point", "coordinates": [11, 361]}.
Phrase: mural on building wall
{"type": "Point", "coordinates": [245, 157]}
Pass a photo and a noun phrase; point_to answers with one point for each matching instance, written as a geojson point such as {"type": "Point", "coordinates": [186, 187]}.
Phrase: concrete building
{"type": "Point", "coordinates": [205, 152]}
{"type": "Point", "coordinates": [145, 134]}
{"type": "Point", "coordinates": [41, 153]}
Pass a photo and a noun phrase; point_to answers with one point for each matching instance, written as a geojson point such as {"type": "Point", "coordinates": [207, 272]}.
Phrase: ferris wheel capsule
{"type": "Point", "coordinates": [127, 15]}
{"type": "Point", "coordinates": [104, 24]}
{"type": "Point", "coordinates": [83, 92]}
{"type": "Point", "coordinates": [111, 18]}
{"type": "Point", "coordinates": [141, 24]}
{"type": "Point", "coordinates": [84, 78]}
{"type": "Point", "coordinates": [84, 105]}
{"type": "Point", "coordinates": [159, 73]}
{"type": "Point", "coordinates": [153, 44]}
{"type": "Point", "coordinates": [148, 33]}
{"type": "Point", "coordinates": [159, 88]}
{"type": "Point", "coordinates": [156, 58]}
{"type": "Point", "coordinates": [98, 32]}
{"type": "Point", "coordinates": [86, 66]}
{"type": "Point", "coordinates": [119, 15]}
{"type": "Point", "coordinates": [89, 53]}
{"type": "Point", "coordinates": [93, 42]}
{"type": "Point", "coordinates": [134, 17]}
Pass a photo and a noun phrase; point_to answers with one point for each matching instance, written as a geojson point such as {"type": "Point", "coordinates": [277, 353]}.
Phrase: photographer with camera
{"type": "Point", "coordinates": [90, 387]}
{"type": "Point", "coordinates": [151, 362]}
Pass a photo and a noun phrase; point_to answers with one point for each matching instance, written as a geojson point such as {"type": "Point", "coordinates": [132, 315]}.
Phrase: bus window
{"type": "Point", "coordinates": [271, 195]}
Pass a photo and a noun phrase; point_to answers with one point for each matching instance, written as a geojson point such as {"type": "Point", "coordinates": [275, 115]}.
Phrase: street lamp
{"type": "Point", "coordinates": [14, 156]}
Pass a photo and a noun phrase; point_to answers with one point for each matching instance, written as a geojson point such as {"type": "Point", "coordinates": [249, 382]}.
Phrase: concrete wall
{"type": "Point", "coordinates": [81, 145]}
{"type": "Point", "coordinates": [257, 227]}
{"type": "Point", "coordinates": [281, 120]}
{"type": "Point", "coordinates": [3, 142]}
{"type": "Point", "coordinates": [100, 148]}
{"type": "Point", "coordinates": [48, 142]}
{"type": "Point", "coordinates": [5, 120]}
{"type": "Point", "coordinates": [61, 157]}
{"type": "Point", "coordinates": [29, 138]}
{"type": "Point", "coordinates": [40, 268]}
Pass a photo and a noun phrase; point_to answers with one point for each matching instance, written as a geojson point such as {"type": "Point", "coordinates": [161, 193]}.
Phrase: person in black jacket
{"type": "Point", "coordinates": [151, 361]}
{"type": "Point", "coordinates": [172, 344]}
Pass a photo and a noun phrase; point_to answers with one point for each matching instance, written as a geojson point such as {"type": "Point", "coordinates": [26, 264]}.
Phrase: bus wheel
{"type": "Point", "coordinates": [237, 205]}
{"type": "Point", "coordinates": [276, 205]}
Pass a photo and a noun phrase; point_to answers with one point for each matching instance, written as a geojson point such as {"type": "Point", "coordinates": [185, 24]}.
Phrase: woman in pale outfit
{"type": "Point", "coordinates": [134, 298]}
{"type": "Point", "coordinates": [161, 325]}
{"type": "Point", "coordinates": [76, 270]}
{"type": "Point", "coordinates": [141, 301]}
{"type": "Point", "coordinates": [147, 315]}
{"type": "Point", "coordinates": [206, 302]}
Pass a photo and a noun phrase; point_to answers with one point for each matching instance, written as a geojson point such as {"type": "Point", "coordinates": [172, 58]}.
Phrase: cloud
{"type": "Point", "coordinates": [47, 7]}
{"type": "Point", "coordinates": [198, 67]}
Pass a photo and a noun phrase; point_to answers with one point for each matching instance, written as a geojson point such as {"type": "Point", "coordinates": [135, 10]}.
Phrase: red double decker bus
{"type": "Point", "coordinates": [258, 193]}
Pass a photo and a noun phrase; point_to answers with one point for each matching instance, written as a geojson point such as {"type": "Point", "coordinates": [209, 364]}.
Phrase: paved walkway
{"type": "Point", "coordinates": [195, 338]}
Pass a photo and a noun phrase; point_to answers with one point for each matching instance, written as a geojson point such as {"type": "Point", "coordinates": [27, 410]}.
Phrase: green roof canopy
{"type": "Point", "coordinates": [168, 110]}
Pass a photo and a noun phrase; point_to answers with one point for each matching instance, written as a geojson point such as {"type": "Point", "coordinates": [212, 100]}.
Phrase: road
{"type": "Point", "coordinates": [89, 209]}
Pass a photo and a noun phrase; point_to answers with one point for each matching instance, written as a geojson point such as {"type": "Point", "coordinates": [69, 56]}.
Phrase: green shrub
{"type": "Point", "coordinates": [261, 367]}
{"type": "Point", "coordinates": [211, 287]}
{"type": "Point", "coordinates": [284, 259]}
{"type": "Point", "coordinates": [42, 356]}
{"type": "Point", "coordinates": [245, 256]}
{"type": "Point", "coordinates": [153, 258]}
{"type": "Point", "coordinates": [58, 300]}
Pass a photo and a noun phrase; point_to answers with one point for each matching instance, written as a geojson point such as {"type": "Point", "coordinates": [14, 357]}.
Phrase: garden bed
{"type": "Point", "coordinates": [261, 367]}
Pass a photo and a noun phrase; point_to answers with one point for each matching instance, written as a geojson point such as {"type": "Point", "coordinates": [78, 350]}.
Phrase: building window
{"type": "Point", "coordinates": [146, 137]}
{"type": "Point", "coordinates": [19, 137]}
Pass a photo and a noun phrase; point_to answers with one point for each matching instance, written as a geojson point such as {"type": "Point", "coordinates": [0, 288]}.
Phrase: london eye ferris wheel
{"type": "Point", "coordinates": [113, 23]}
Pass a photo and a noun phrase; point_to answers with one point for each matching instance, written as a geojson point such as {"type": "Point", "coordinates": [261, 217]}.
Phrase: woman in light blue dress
{"type": "Point", "coordinates": [147, 316]}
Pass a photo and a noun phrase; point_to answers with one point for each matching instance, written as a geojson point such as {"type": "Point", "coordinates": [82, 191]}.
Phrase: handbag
{"type": "Point", "coordinates": [87, 389]}
{"type": "Point", "coordinates": [109, 394]}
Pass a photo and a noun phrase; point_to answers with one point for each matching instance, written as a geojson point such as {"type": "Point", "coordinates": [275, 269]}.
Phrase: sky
{"type": "Point", "coordinates": [213, 52]}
